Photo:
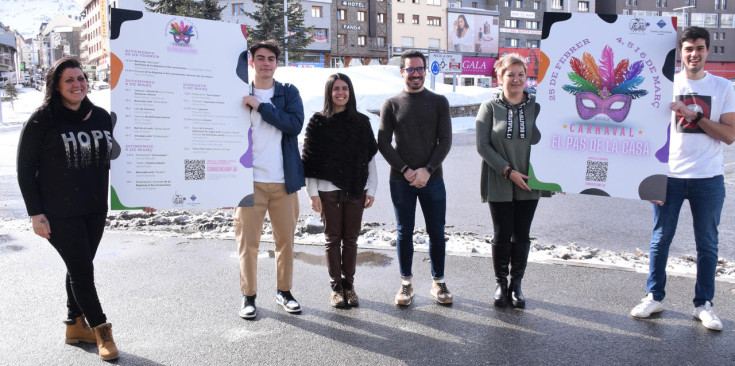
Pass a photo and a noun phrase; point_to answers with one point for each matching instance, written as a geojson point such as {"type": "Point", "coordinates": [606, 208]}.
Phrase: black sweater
{"type": "Point", "coordinates": [422, 126]}
{"type": "Point", "coordinates": [64, 162]}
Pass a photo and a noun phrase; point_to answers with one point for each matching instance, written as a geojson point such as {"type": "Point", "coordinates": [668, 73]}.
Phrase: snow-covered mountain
{"type": "Point", "coordinates": [26, 16]}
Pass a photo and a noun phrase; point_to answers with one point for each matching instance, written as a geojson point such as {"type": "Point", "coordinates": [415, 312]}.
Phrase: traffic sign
{"type": "Point", "coordinates": [447, 63]}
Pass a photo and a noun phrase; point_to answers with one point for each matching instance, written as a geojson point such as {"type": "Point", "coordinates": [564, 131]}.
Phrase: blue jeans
{"type": "Point", "coordinates": [706, 197]}
{"type": "Point", "coordinates": [433, 200]}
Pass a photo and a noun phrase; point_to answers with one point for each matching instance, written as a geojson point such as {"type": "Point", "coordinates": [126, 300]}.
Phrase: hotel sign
{"type": "Point", "coordinates": [354, 4]}
{"type": "Point", "coordinates": [351, 27]}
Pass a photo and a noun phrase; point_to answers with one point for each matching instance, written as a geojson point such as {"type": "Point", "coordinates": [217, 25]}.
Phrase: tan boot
{"type": "Point", "coordinates": [105, 342]}
{"type": "Point", "coordinates": [77, 330]}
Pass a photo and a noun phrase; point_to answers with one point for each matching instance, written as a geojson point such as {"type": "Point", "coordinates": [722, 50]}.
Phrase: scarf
{"type": "Point", "coordinates": [338, 149]}
{"type": "Point", "coordinates": [61, 112]}
{"type": "Point", "coordinates": [521, 116]}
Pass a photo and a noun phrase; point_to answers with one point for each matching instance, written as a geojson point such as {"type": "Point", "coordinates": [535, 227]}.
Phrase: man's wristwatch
{"type": "Point", "coordinates": [698, 118]}
{"type": "Point", "coordinates": [429, 168]}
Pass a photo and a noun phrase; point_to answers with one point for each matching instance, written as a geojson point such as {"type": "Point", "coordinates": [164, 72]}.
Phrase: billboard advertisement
{"type": "Point", "coordinates": [472, 33]}
{"type": "Point", "coordinates": [530, 55]}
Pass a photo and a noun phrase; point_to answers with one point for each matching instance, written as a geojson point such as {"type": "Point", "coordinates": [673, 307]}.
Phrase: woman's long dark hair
{"type": "Point", "coordinates": [466, 25]}
{"type": "Point", "coordinates": [53, 76]}
{"type": "Point", "coordinates": [351, 107]}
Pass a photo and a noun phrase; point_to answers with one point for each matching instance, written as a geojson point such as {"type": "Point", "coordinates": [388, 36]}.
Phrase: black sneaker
{"type": "Point", "coordinates": [248, 307]}
{"type": "Point", "coordinates": [285, 299]}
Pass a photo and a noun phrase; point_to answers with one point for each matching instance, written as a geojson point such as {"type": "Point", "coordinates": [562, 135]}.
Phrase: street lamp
{"type": "Point", "coordinates": [684, 13]}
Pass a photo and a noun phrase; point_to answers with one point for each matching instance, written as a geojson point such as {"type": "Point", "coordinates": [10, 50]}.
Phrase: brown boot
{"type": "Point", "coordinates": [105, 343]}
{"type": "Point", "coordinates": [77, 330]}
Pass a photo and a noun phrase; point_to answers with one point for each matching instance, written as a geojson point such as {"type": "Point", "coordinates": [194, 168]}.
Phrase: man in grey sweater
{"type": "Point", "coordinates": [420, 121]}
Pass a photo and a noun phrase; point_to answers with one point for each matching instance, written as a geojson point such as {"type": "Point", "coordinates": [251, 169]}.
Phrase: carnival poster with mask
{"type": "Point", "coordinates": [181, 137]}
{"type": "Point", "coordinates": [604, 97]}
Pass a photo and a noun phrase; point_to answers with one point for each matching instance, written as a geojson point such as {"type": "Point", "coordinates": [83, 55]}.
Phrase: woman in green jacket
{"type": "Point", "coordinates": [506, 130]}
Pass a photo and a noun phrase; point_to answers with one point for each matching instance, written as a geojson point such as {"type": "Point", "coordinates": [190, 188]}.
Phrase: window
{"type": "Point", "coordinates": [361, 16]}
{"type": "Point", "coordinates": [507, 3]}
{"type": "Point", "coordinates": [715, 49]}
{"type": "Point", "coordinates": [626, 12]}
{"type": "Point", "coordinates": [434, 21]}
{"type": "Point", "coordinates": [663, 3]}
{"type": "Point", "coordinates": [381, 18]}
{"type": "Point", "coordinates": [715, 36]}
{"type": "Point", "coordinates": [536, 5]}
{"type": "Point", "coordinates": [511, 42]}
{"type": "Point", "coordinates": [532, 24]}
{"type": "Point", "coordinates": [434, 2]}
{"type": "Point", "coordinates": [680, 22]}
{"type": "Point", "coordinates": [583, 6]}
{"type": "Point", "coordinates": [518, 3]}
{"type": "Point", "coordinates": [407, 41]}
{"type": "Point", "coordinates": [341, 14]}
{"type": "Point", "coordinates": [238, 9]}
{"type": "Point", "coordinates": [361, 41]}
{"type": "Point", "coordinates": [511, 23]}
{"type": "Point", "coordinates": [727, 21]}
{"type": "Point", "coordinates": [474, 4]}
{"type": "Point", "coordinates": [690, 2]}
{"type": "Point", "coordinates": [559, 4]}
{"type": "Point", "coordinates": [532, 43]}
{"type": "Point", "coordinates": [381, 42]}
{"type": "Point", "coordinates": [434, 43]}
{"type": "Point", "coordinates": [320, 35]}
{"type": "Point", "coordinates": [400, 18]}
{"type": "Point", "coordinates": [707, 20]}
{"type": "Point", "coordinates": [646, 12]}
{"type": "Point", "coordinates": [342, 39]}
{"type": "Point", "coordinates": [415, 19]}
{"type": "Point", "coordinates": [316, 11]}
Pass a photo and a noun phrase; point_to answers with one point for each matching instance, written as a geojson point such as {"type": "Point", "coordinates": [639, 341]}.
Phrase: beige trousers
{"type": "Point", "coordinates": [283, 211]}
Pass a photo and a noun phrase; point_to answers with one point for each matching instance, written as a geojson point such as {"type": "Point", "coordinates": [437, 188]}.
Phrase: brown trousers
{"type": "Point", "coordinates": [342, 222]}
{"type": "Point", "coordinates": [283, 211]}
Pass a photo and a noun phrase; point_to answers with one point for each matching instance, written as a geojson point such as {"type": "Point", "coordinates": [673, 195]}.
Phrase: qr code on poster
{"type": "Point", "coordinates": [596, 171]}
{"type": "Point", "coordinates": [193, 169]}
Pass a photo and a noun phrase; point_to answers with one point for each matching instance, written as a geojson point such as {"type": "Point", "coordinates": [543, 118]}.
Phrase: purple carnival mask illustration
{"type": "Point", "coordinates": [605, 89]}
{"type": "Point", "coordinates": [181, 32]}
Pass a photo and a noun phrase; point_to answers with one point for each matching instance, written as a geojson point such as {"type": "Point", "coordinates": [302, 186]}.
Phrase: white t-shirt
{"type": "Point", "coordinates": [267, 153]}
{"type": "Point", "coordinates": [692, 152]}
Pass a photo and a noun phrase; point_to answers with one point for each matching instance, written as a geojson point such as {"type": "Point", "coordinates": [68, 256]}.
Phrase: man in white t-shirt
{"type": "Point", "coordinates": [703, 118]}
{"type": "Point", "coordinates": [277, 116]}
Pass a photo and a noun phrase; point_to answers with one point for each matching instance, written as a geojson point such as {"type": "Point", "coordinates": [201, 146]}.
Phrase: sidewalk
{"type": "Point", "coordinates": [174, 301]}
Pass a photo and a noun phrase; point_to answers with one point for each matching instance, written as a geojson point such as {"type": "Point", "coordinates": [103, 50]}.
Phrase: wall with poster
{"type": "Point", "coordinates": [531, 56]}
{"type": "Point", "coordinates": [472, 33]}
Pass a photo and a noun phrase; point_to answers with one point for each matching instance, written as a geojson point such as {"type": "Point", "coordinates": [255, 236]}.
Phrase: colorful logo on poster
{"type": "Point", "coordinates": [605, 89]}
{"type": "Point", "coordinates": [661, 23]}
{"type": "Point", "coordinates": [638, 25]}
{"type": "Point", "coordinates": [181, 32]}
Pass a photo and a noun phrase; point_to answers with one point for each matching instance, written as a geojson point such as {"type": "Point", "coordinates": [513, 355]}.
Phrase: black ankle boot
{"type": "Point", "coordinates": [500, 296]}
{"type": "Point", "coordinates": [516, 295]}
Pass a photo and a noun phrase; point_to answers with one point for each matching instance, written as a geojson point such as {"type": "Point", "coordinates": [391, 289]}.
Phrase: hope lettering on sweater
{"type": "Point", "coordinates": [83, 150]}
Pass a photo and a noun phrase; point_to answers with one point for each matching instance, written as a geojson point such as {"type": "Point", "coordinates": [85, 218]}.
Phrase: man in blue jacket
{"type": "Point", "coordinates": [277, 115]}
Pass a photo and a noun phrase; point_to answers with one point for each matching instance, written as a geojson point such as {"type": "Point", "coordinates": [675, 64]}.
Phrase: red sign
{"type": "Point", "coordinates": [477, 65]}
{"type": "Point", "coordinates": [530, 55]}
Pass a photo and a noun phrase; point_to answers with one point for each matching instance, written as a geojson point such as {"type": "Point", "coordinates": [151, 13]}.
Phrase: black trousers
{"type": "Point", "coordinates": [512, 221]}
{"type": "Point", "coordinates": [76, 239]}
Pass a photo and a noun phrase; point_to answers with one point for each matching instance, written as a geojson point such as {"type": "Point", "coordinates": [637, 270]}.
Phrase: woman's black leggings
{"type": "Point", "coordinates": [76, 239]}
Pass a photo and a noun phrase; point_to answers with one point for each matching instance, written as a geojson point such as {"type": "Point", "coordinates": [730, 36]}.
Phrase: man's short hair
{"type": "Point", "coordinates": [410, 54]}
{"type": "Point", "coordinates": [267, 44]}
{"type": "Point", "coordinates": [692, 34]}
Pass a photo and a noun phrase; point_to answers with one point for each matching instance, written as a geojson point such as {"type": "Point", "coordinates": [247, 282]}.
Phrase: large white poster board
{"type": "Point", "coordinates": [181, 131]}
{"type": "Point", "coordinates": [604, 99]}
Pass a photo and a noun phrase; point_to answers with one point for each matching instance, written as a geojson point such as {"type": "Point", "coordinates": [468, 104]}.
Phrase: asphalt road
{"type": "Point", "coordinates": [174, 302]}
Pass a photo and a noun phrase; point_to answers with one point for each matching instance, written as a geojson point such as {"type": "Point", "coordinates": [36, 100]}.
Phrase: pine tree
{"type": "Point", "coordinates": [205, 9]}
{"type": "Point", "coordinates": [11, 93]}
{"type": "Point", "coordinates": [269, 19]}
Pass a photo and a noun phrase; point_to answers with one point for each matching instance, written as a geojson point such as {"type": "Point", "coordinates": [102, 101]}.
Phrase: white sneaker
{"type": "Point", "coordinates": [705, 314]}
{"type": "Point", "coordinates": [647, 307]}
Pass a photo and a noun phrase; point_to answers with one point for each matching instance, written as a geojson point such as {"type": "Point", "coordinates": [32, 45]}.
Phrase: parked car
{"type": "Point", "coordinates": [100, 85]}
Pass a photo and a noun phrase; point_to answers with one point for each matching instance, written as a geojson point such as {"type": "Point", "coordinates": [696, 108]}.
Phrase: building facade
{"type": "Point", "coordinates": [717, 16]}
{"type": "Point", "coordinates": [316, 14]}
{"type": "Point", "coordinates": [419, 24]}
{"type": "Point", "coordinates": [95, 45]}
{"type": "Point", "coordinates": [361, 32]}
